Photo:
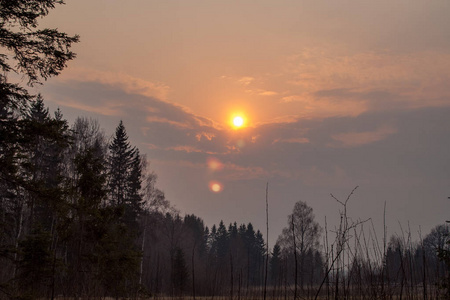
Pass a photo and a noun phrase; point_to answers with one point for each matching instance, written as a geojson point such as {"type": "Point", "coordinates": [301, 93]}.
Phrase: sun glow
{"type": "Point", "coordinates": [215, 186]}
{"type": "Point", "coordinates": [214, 164]}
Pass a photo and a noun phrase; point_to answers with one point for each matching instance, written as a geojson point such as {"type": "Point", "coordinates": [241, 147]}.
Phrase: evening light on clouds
{"type": "Point", "coordinates": [336, 94]}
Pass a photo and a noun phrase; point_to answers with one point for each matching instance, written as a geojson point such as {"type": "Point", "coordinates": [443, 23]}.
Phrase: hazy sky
{"type": "Point", "coordinates": [335, 94]}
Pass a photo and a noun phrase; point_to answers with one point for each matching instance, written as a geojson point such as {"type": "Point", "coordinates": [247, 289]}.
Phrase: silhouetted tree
{"type": "Point", "coordinates": [274, 266]}
{"type": "Point", "coordinates": [90, 191]}
{"type": "Point", "coordinates": [180, 272]}
{"type": "Point", "coordinates": [444, 255]}
{"type": "Point", "coordinates": [222, 240]}
{"type": "Point", "coordinates": [39, 53]}
{"type": "Point", "coordinates": [48, 138]}
{"type": "Point", "coordinates": [120, 164]}
{"type": "Point", "coordinates": [35, 264]}
{"type": "Point", "coordinates": [36, 54]}
{"type": "Point", "coordinates": [307, 231]}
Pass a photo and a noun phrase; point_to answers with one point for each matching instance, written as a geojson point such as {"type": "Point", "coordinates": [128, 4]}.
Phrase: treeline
{"type": "Point", "coordinates": [352, 262]}
{"type": "Point", "coordinates": [188, 258]}
{"type": "Point", "coordinates": [70, 206]}
{"type": "Point", "coordinates": [81, 216]}
{"type": "Point", "coordinates": [398, 269]}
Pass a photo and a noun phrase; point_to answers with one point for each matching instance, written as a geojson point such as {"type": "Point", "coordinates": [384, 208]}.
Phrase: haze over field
{"type": "Point", "coordinates": [333, 94]}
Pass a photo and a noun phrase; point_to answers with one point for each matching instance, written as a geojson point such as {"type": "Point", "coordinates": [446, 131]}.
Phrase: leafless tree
{"type": "Point", "coordinates": [305, 230]}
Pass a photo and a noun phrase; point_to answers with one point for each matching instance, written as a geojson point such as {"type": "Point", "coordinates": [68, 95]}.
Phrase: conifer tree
{"type": "Point", "coordinates": [222, 239]}
{"type": "Point", "coordinates": [36, 54]}
{"type": "Point", "coordinates": [87, 224]}
{"type": "Point", "coordinates": [133, 201]}
{"type": "Point", "coordinates": [275, 264]}
{"type": "Point", "coordinates": [35, 264]}
{"type": "Point", "coordinates": [120, 163]}
{"type": "Point", "coordinates": [180, 272]}
{"type": "Point", "coordinates": [39, 160]}
{"type": "Point", "coordinates": [125, 178]}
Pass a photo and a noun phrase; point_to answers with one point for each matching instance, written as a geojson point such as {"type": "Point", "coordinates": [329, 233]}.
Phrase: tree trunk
{"type": "Point", "coordinates": [295, 260]}
{"type": "Point", "coordinates": [193, 271]}
{"type": "Point", "coordinates": [267, 240]}
{"type": "Point", "coordinates": [231, 277]}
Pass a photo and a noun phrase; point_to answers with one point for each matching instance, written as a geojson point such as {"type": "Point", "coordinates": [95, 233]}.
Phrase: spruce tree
{"type": "Point", "coordinates": [133, 201]}
{"type": "Point", "coordinates": [180, 272]}
{"type": "Point", "coordinates": [222, 239]}
{"type": "Point", "coordinates": [87, 224]}
{"type": "Point", "coordinates": [125, 178]}
{"type": "Point", "coordinates": [36, 54]}
{"type": "Point", "coordinates": [275, 264]}
{"type": "Point", "coordinates": [38, 127]}
{"type": "Point", "coordinates": [120, 163]}
{"type": "Point", "coordinates": [35, 264]}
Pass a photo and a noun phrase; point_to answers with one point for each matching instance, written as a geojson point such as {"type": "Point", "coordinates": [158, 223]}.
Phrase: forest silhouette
{"type": "Point", "coordinates": [81, 215]}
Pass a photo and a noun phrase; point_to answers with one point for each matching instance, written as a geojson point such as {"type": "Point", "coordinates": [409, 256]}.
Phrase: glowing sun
{"type": "Point", "coordinates": [238, 121]}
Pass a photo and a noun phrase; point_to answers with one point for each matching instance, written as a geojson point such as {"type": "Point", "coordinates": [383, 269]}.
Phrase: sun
{"type": "Point", "coordinates": [238, 121]}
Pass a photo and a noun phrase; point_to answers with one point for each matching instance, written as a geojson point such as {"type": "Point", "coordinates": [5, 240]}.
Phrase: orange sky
{"type": "Point", "coordinates": [330, 90]}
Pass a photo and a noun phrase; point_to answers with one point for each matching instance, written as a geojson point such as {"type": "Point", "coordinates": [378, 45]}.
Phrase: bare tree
{"type": "Point", "coordinates": [305, 230]}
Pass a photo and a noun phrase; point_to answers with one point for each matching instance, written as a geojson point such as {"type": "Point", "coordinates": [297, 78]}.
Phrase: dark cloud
{"type": "Point", "coordinates": [400, 157]}
{"type": "Point", "coordinates": [396, 142]}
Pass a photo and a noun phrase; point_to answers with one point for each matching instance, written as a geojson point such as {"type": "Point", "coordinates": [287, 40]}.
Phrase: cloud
{"type": "Point", "coordinates": [246, 80]}
{"type": "Point", "coordinates": [327, 82]}
{"type": "Point", "coordinates": [355, 139]}
{"type": "Point", "coordinates": [111, 110]}
{"type": "Point", "coordinates": [267, 93]}
{"type": "Point", "coordinates": [291, 146]}
{"type": "Point", "coordinates": [333, 81]}
{"type": "Point", "coordinates": [169, 124]}
{"type": "Point", "coordinates": [205, 135]}
{"type": "Point", "coordinates": [123, 81]}
{"type": "Point", "coordinates": [280, 120]}
{"type": "Point", "coordinates": [233, 172]}
{"type": "Point", "coordinates": [185, 148]}
{"type": "Point", "coordinates": [261, 92]}
{"type": "Point", "coordinates": [411, 77]}
{"type": "Point", "coordinates": [301, 140]}
{"type": "Point", "coordinates": [386, 152]}
{"type": "Point", "coordinates": [155, 119]}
